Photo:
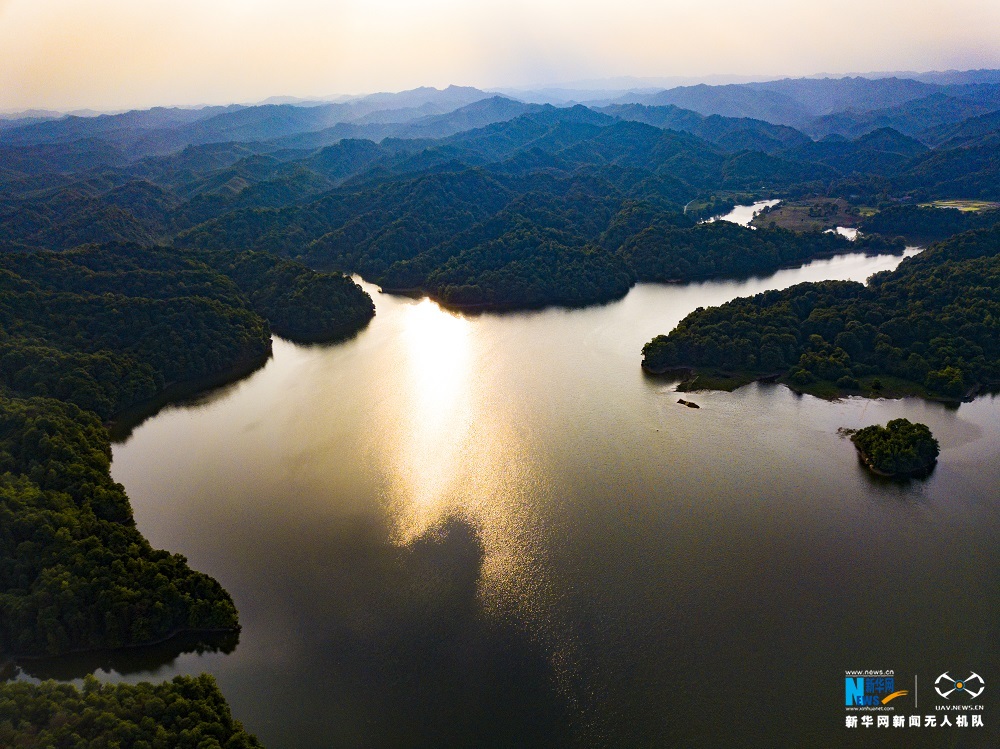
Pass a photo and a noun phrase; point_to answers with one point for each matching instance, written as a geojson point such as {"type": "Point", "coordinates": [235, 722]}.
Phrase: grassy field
{"type": "Point", "coordinates": [971, 206]}
{"type": "Point", "coordinates": [812, 214]}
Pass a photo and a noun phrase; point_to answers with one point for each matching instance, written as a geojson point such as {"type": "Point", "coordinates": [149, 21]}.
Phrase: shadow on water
{"type": "Point", "coordinates": [124, 661]}
{"type": "Point", "coordinates": [909, 487]}
{"type": "Point", "coordinates": [430, 663]}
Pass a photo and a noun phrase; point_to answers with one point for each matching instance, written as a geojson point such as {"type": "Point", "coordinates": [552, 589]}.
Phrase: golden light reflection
{"type": "Point", "coordinates": [436, 378]}
{"type": "Point", "coordinates": [460, 454]}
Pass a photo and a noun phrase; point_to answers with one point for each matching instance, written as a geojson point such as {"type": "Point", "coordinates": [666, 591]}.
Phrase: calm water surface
{"type": "Point", "coordinates": [744, 214]}
{"type": "Point", "coordinates": [496, 531]}
{"type": "Point", "coordinates": [847, 231]}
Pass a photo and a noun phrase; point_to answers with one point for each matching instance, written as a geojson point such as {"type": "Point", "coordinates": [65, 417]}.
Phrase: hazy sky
{"type": "Point", "coordinates": [109, 54]}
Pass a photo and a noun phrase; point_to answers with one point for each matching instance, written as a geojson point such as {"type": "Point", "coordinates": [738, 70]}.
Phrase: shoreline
{"type": "Point", "coordinates": [417, 292]}
{"type": "Point", "coordinates": [12, 660]}
{"type": "Point", "coordinates": [868, 462]}
{"type": "Point", "coordinates": [693, 379]}
{"type": "Point", "coordinates": [485, 307]}
{"type": "Point", "coordinates": [122, 424]}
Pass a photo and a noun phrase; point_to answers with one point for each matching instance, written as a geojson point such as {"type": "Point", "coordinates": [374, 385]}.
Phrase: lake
{"type": "Point", "coordinates": [495, 530]}
{"type": "Point", "coordinates": [744, 214]}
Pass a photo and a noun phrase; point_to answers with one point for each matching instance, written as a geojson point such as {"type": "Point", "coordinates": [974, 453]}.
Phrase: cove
{"type": "Point", "coordinates": [495, 530]}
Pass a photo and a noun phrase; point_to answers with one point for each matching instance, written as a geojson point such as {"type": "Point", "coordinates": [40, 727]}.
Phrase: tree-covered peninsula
{"type": "Point", "coordinates": [298, 303]}
{"type": "Point", "coordinates": [927, 223]}
{"type": "Point", "coordinates": [900, 448]}
{"type": "Point", "coordinates": [75, 572]}
{"type": "Point", "coordinates": [721, 249]}
{"type": "Point", "coordinates": [184, 712]}
{"type": "Point", "coordinates": [932, 326]}
{"type": "Point", "coordinates": [84, 335]}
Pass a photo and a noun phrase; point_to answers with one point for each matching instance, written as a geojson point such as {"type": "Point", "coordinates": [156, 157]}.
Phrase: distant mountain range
{"type": "Point", "coordinates": [162, 130]}
{"type": "Point", "coordinates": [144, 176]}
{"type": "Point", "coordinates": [845, 106]}
{"type": "Point", "coordinates": [484, 200]}
{"type": "Point", "coordinates": [918, 105]}
{"type": "Point", "coordinates": [154, 174]}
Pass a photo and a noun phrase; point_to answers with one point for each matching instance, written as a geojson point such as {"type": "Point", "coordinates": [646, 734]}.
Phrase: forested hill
{"type": "Point", "coordinates": [539, 205]}
{"type": "Point", "coordinates": [109, 326]}
{"type": "Point", "coordinates": [931, 326]}
{"type": "Point", "coordinates": [84, 335]}
{"type": "Point", "coordinates": [544, 218]}
{"type": "Point", "coordinates": [75, 573]}
{"type": "Point", "coordinates": [569, 241]}
{"type": "Point", "coordinates": [927, 223]}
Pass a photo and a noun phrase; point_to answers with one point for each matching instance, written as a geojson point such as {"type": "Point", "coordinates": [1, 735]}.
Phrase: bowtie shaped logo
{"type": "Point", "coordinates": [970, 687]}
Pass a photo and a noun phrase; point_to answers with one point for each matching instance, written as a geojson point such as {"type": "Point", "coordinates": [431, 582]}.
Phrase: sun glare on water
{"type": "Point", "coordinates": [460, 456]}
{"type": "Point", "coordinates": [459, 453]}
{"type": "Point", "coordinates": [436, 377]}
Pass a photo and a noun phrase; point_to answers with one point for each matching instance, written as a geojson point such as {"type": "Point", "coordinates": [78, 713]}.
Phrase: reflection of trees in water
{"type": "Point", "coordinates": [897, 487]}
{"type": "Point", "coordinates": [189, 395]}
{"type": "Point", "coordinates": [125, 661]}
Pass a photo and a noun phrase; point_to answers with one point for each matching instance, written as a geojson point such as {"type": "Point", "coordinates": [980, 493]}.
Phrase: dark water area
{"type": "Point", "coordinates": [495, 530]}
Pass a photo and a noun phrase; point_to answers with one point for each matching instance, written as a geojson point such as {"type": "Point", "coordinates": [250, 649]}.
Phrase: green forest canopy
{"type": "Point", "coordinates": [899, 448]}
{"type": "Point", "coordinates": [84, 335]}
{"type": "Point", "coordinates": [535, 210]}
{"type": "Point", "coordinates": [934, 322]}
{"type": "Point", "coordinates": [185, 713]}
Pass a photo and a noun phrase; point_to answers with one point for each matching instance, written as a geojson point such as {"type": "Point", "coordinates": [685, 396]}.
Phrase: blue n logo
{"type": "Point", "coordinates": [854, 691]}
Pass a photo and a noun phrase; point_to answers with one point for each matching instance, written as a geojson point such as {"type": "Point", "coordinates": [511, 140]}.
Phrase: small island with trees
{"type": "Point", "coordinates": [899, 449]}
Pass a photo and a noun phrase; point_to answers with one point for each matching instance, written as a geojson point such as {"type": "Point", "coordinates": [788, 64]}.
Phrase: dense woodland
{"type": "Point", "coordinates": [185, 713]}
{"type": "Point", "coordinates": [497, 204]}
{"type": "Point", "coordinates": [900, 448]}
{"type": "Point", "coordinates": [934, 322]}
{"type": "Point", "coordinates": [927, 223]}
{"type": "Point", "coordinates": [107, 327]}
{"type": "Point", "coordinates": [84, 335]}
{"type": "Point", "coordinates": [665, 253]}
{"type": "Point", "coordinates": [75, 573]}
{"type": "Point", "coordinates": [298, 303]}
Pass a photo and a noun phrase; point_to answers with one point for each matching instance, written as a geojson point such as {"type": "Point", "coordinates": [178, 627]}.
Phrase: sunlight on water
{"type": "Point", "coordinates": [436, 377]}
{"type": "Point", "coordinates": [501, 507]}
{"type": "Point", "coordinates": [459, 454]}
{"type": "Point", "coordinates": [461, 458]}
